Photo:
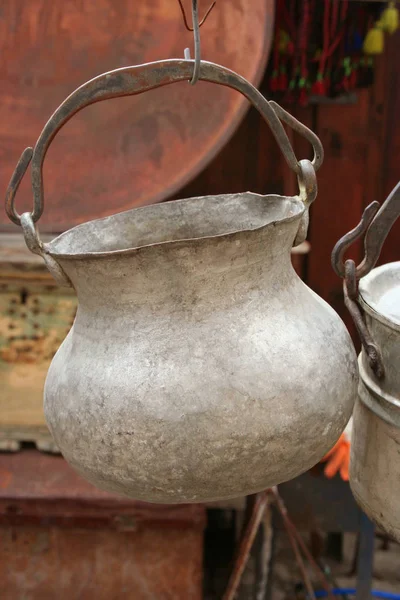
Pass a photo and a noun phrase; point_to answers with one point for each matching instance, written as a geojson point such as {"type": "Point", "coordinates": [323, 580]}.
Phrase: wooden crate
{"type": "Point", "coordinates": [62, 538]}
{"type": "Point", "coordinates": [35, 316]}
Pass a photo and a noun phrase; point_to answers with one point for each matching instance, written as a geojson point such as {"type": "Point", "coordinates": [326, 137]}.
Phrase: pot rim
{"type": "Point", "coordinates": [295, 201]}
{"type": "Point", "coordinates": [369, 296]}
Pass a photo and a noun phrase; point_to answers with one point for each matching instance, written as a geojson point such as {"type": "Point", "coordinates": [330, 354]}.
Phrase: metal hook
{"type": "Point", "coordinates": [196, 35]}
{"type": "Point", "coordinates": [203, 19]}
{"type": "Point", "coordinates": [352, 236]}
{"type": "Point", "coordinates": [376, 222]}
{"type": "Point", "coordinates": [378, 231]}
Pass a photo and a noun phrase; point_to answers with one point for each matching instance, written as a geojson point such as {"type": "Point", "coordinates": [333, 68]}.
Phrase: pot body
{"type": "Point", "coordinates": [375, 448]}
{"type": "Point", "coordinates": [375, 463]}
{"type": "Point", "coordinates": [198, 369]}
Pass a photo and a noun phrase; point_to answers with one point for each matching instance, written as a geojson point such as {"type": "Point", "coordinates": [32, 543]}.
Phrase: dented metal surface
{"type": "Point", "coordinates": [197, 355]}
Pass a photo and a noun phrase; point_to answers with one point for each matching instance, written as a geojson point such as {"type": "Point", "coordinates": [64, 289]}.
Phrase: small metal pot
{"type": "Point", "coordinates": [375, 449]}
{"type": "Point", "coordinates": [372, 297]}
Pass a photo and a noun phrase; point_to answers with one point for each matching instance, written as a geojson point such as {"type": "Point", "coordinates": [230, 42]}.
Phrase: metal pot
{"type": "Point", "coordinates": [199, 366]}
{"type": "Point", "coordinates": [375, 449]}
{"type": "Point", "coordinates": [373, 299]}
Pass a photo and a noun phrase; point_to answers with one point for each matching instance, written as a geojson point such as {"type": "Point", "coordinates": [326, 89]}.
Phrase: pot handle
{"type": "Point", "coordinates": [375, 225]}
{"type": "Point", "coordinates": [137, 79]}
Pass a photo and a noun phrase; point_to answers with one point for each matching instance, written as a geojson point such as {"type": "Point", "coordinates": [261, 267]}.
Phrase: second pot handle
{"type": "Point", "coordinates": [375, 225]}
{"type": "Point", "coordinates": [137, 79]}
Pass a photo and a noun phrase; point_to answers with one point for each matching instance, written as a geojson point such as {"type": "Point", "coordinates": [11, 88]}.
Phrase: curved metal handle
{"type": "Point", "coordinates": [378, 231]}
{"type": "Point", "coordinates": [135, 80]}
{"type": "Point", "coordinates": [376, 223]}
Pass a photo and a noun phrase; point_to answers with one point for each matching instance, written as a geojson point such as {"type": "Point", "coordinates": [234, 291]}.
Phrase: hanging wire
{"type": "Point", "coordinates": [196, 35]}
{"type": "Point", "coordinates": [203, 19]}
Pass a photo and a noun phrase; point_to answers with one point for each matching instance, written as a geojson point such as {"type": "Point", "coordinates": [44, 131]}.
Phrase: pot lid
{"type": "Point", "coordinates": [380, 292]}
{"type": "Point", "coordinates": [128, 152]}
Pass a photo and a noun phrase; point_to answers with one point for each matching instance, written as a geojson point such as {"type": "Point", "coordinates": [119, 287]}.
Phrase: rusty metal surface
{"type": "Point", "coordinates": [151, 564]}
{"type": "Point", "coordinates": [350, 293]}
{"type": "Point", "coordinates": [146, 147]}
{"type": "Point", "coordinates": [259, 505]}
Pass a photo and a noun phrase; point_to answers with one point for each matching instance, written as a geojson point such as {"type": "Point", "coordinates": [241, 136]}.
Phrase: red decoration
{"type": "Point", "coordinates": [318, 49]}
{"type": "Point", "coordinates": [319, 88]}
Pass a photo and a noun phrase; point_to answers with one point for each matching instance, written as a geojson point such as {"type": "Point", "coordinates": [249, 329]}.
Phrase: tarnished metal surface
{"type": "Point", "coordinates": [375, 450]}
{"type": "Point", "coordinates": [380, 300]}
{"type": "Point", "coordinates": [350, 293]}
{"type": "Point", "coordinates": [197, 354]}
{"type": "Point", "coordinates": [147, 147]}
{"type": "Point", "coordinates": [24, 277]}
{"type": "Point", "coordinates": [196, 36]}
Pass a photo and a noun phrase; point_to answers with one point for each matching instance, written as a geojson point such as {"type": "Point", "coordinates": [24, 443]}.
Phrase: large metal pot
{"type": "Point", "coordinates": [199, 366]}
{"type": "Point", "coordinates": [375, 449]}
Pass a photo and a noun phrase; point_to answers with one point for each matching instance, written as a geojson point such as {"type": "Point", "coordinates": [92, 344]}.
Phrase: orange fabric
{"type": "Point", "coordinates": [338, 459]}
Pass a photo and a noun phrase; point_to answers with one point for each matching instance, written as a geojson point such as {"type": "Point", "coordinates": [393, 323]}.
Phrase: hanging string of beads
{"type": "Point", "coordinates": [326, 48]}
